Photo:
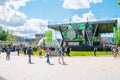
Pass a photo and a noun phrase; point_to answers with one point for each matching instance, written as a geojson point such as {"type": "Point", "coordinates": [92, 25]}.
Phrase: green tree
{"type": "Point", "coordinates": [10, 38]}
{"type": "Point", "coordinates": [5, 36]}
{"type": "Point", "coordinates": [118, 2]}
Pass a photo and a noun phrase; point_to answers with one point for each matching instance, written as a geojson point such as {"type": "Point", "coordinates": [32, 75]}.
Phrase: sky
{"type": "Point", "coordinates": [29, 17]}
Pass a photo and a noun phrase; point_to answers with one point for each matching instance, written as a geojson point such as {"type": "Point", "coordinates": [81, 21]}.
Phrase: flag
{"type": "Point", "coordinates": [48, 36]}
{"type": "Point", "coordinates": [115, 34]}
{"type": "Point", "coordinates": [119, 34]}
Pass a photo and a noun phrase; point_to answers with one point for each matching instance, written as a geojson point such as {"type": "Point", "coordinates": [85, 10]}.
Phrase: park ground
{"type": "Point", "coordinates": [76, 68]}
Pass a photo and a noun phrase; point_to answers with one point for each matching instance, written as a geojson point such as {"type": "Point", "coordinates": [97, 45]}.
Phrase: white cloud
{"type": "Point", "coordinates": [86, 16]}
{"type": "Point", "coordinates": [79, 4]}
{"type": "Point", "coordinates": [12, 17]}
{"type": "Point", "coordinates": [35, 26]}
{"type": "Point", "coordinates": [3, 2]}
{"type": "Point", "coordinates": [18, 3]}
{"type": "Point", "coordinates": [14, 20]}
{"type": "Point", "coordinates": [31, 27]}
{"type": "Point", "coordinates": [95, 1]}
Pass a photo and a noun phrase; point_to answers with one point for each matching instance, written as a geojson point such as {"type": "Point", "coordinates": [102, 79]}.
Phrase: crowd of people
{"type": "Point", "coordinates": [61, 50]}
{"type": "Point", "coordinates": [8, 48]}
{"type": "Point", "coordinates": [28, 50]}
{"type": "Point", "coordinates": [115, 50]}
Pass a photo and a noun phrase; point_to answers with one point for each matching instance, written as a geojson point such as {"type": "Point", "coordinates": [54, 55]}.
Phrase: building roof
{"type": "Point", "coordinates": [104, 26]}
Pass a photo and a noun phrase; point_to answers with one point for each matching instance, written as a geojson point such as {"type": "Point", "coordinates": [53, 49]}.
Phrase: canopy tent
{"type": "Point", "coordinates": [54, 43]}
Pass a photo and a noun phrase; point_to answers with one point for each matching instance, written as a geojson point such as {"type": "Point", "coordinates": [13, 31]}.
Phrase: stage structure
{"type": "Point", "coordinates": [85, 35]}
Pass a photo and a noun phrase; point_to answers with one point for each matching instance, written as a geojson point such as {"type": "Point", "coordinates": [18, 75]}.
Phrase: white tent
{"type": "Point", "coordinates": [54, 43]}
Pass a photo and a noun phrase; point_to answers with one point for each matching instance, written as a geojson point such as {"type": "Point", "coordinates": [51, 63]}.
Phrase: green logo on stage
{"type": "Point", "coordinates": [71, 34]}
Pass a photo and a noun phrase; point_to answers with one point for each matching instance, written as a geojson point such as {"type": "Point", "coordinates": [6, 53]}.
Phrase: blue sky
{"type": "Point", "coordinates": [28, 17]}
{"type": "Point", "coordinates": [54, 11]}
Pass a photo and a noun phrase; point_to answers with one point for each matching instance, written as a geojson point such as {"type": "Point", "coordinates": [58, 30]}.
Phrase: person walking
{"type": "Point", "coordinates": [95, 50]}
{"type": "Point", "coordinates": [48, 54]}
{"type": "Point", "coordinates": [115, 52]}
{"type": "Point", "coordinates": [8, 53]}
{"type": "Point", "coordinates": [111, 49]}
{"type": "Point", "coordinates": [29, 52]}
{"type": "Point", "coordinates": [60, 54]}
{"type": "Point", "coordinates": [40, 52]}
{"type": "Point", "coordinates": [18, 50]}
{"type": "Point", "coordinates": [68, 51]}
{"type": "Point", "coordinates": [24, 50]}
{"type": "Point", "coordinates": [118, 50]}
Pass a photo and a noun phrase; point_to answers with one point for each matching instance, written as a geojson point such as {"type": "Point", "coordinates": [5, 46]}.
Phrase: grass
{"type": "Point", "coordinates": [79, 53]}
{"type": "Point", "coordinates": [89, 53]}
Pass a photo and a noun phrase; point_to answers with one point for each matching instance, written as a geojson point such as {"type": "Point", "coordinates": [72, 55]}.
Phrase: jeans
{"type": "Point", "coordinates": [29, 56]}
{"type": "Point", "coordinates": [8, 56]}
{"type": "Point", "coordinates": [48, 60]}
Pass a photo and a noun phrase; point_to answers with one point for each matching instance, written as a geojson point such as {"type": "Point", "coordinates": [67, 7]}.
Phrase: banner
{"type": "Point", "coordinates": [78, 37]}
{"type": "Point", "coordinates": [119, 34]}
{"type": "Point", "coordinates": [48, 36]}
{"type": "Point", "coordinates": [89, 27]}
{"type": "Point", "coordinates": [81, 26]}
{"type": "Point", "coordinates": [72, 26]}
{"type": "Point", "coordinates": [71, 34]}
{"type": "Point", "coordinates": [115, 34]}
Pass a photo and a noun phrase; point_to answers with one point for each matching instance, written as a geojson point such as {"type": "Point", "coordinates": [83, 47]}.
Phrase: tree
{"type": "Point", "coordinates": [10, 38]}
{"type": "Point", "coordinates": [5, 36]}
{"type": "Point", "coordinates": [118, 2]}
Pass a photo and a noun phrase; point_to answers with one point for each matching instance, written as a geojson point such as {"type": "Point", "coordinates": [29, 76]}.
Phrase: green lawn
{"type": "Point", "coordinates": [89, 53]}
{"type": "Point", "coordinates": [80, 53]}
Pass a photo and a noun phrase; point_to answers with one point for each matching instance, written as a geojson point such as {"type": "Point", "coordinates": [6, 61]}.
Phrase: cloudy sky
{"type": "Point", "coordinates": [28, 17]}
